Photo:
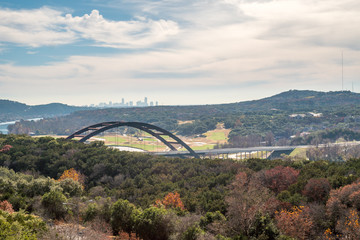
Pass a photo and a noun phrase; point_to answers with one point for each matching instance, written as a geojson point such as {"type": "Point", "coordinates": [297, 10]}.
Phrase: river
{"type": "Point", "coordinates": [4, 125]}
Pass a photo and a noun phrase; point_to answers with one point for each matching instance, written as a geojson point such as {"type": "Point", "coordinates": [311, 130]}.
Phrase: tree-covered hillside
{"type": "Point", "coordinates": [273, 120]}
{"type": "Point", "coordinates": [11, 110]}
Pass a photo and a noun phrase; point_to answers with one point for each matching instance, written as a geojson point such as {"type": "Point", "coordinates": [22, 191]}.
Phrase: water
{"type": "Point", "coordinates": [128, 149]}
{"type": "Point", "coordinates": [4, 125]}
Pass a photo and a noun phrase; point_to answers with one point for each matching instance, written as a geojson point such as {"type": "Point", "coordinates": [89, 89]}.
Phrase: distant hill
{"type": "Point", "coordinates": [305, 100]}
{"type": "Point", "coordinates": [250, 117]}
{"type": "Point", "coordinates": [11, 110]}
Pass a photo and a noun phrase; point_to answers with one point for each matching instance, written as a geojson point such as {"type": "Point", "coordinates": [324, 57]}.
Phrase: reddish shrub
{"type": "Point", "coordinates": [342, 209]}
{"type": "Point", "coordinates": [6, 206]}
{"type": "Point", "coordinates": [317, 189]}
{"type": "Point", "coordinates": [172, 200]}
{"type": "Point", "coordinates": [5, 148]}
{"type": "Point", "coordinates": [280, 178]}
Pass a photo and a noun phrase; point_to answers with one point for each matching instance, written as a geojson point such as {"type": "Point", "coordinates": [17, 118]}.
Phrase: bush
{"type": "Point", "coordinates": [123, 216]}
{"type": "Point", "coordinates": [53, 202]}
{"type": "Point", "coordinates": [20, 226]}
{"type": "Point", "coordinates": [155, 224]}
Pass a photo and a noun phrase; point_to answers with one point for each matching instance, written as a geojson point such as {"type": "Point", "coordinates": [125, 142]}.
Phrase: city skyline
{"type": "Point", "coordinates": [124, 103]}
{"type": "Point", "coordinates": [178, 52]}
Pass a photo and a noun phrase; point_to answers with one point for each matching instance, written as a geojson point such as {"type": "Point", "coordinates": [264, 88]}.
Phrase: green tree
{"type": "Point", "coordinates": [155, 224]}
{"type": "Point", "coordinates": [20, 226]}
{"type": "Point", "coordinates": [123, 216]}
{"type": "Point", "coordinates": [54, 201]}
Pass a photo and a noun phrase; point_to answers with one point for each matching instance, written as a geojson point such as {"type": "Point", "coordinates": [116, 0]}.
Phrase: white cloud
{"type": "Point", "coordinates": [233, 49]}
{"type": "Point", "coordinates": [34, 27]}
{"type": "Point", "coordinates": [46, 26]}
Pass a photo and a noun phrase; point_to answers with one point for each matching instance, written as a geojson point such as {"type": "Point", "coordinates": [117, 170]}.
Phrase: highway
{"type": "Point", "coordinates": [272, 149]}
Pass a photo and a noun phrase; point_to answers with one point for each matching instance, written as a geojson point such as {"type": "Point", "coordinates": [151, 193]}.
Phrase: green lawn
{"type": "Point", "coordinates": [216, 136]}
{"type": "Point", "coordinates": [299, 153]}
{"type": "Point", "coordinates": [203, 147]}
{"type": "Point", "coordinates": [114, 139]}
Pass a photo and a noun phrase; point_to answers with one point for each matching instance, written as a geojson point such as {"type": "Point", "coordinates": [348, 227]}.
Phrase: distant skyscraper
{"type": "Point", "coordinates": [145, 101]}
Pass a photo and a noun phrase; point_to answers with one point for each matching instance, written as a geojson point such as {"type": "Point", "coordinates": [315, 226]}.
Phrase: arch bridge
{"type": "Point", "coordinates": [159, 133]}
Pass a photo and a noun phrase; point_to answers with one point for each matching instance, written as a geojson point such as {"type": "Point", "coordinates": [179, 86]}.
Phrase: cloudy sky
{"type": "Point", "coordinates": [176, 52]}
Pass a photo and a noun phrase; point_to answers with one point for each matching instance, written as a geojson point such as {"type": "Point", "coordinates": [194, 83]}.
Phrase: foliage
{"type": "Point", "coordinates": [20, 226]}
{"type": "Point", "coordinates": [91, 212]}
{"type": "Point", "coordinates": [248, 193]}
{"type": "Point", "coordinates": [20, 188]}
{"type": "Point", "coordinates": [140, 178]}
{"type": "Point", "coordinates": [343, 210]}
{"type": "Point", "coordinates": [155, 224]}
{"type": "Point", "coordinates": [72, 174]}
{"type": "Point", "coordinates": [247, 197]}
{"type": "Point", "coordinates": [295, 223]}
{"type": "Point", "coordinates": [317, 189]}
{"type": "Point", "coordinates": [171, 200]}
{"type": "Point", "coordinates": [5, 148]}
{"type": "Point", "coordinates": [124, 216]}
{"type": "Point", "coordinates": [6, 206]}
{"type": "Point", "coordinates": [352, 227]}
{"type": "Point", "coordinates": [192, 233]}
{"type": "Point", "coordinates": [53, 202]}
{"type": "Point", "coordinates": [264, 228]}
{"type": "Point", "coordinates": [280, 178]}
{"type": "Point", "coordinates": [211, 217]}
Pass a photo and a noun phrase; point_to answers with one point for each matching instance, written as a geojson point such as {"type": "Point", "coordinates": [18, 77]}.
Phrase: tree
{"type": "Point", "coordinates": [54, 201]}
{"type": "Point", "coordinates": [280, 178]}
{"type": "Point", "coordinates": [6, 206]}
{"type": "Point", "coordinates": [295, 223]}
{"type": "Point", "coordinates": [72, 174]}
{"type": "Point", "coordinates": [155, 224]}
{"type": "Point", "coordinates": [342, 209]}
{"type": "Point", "coordinates": [247, 197]}
{"type": "Point", "coordinates": [317, 189]}
{"type": "Point", "coordinates": [213, 222]}
{"type": "Point", "coordinates": [171, 200]}
{"type": "Point", "coordinates": [5, 148]}
{"type": "Point", "coordinates": [264, 228]}
{"type": "Point", "coordinates": [20, 226]}
{"type": "Point", "coordinates": [123, 216]}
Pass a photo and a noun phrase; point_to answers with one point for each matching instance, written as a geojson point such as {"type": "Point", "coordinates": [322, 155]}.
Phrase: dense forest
{"type": "Point", "coordinates": [139, 196]}
{"type": "Point", "coordinates": [274, 120]}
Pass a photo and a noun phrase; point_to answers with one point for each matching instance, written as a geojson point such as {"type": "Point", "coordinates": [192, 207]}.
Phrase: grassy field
{"type": "Point", "coordinates": [218, 136]}
{"type": "Point", "coordinates": [299, 153]}
{"type": "Point", "coordinates": [202, 147]}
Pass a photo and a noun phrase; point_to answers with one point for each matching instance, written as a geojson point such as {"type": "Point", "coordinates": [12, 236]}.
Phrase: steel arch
{"type": "Point", "coordinates": [149, 128]}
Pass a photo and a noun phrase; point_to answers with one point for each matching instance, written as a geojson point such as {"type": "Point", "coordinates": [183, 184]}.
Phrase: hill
{"type": "Point", "coordinates": [258, 118]}
{"type": "Point", "coordinates": [296, 100]}
{"type": "Point", "coordinates": [11, 110]}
